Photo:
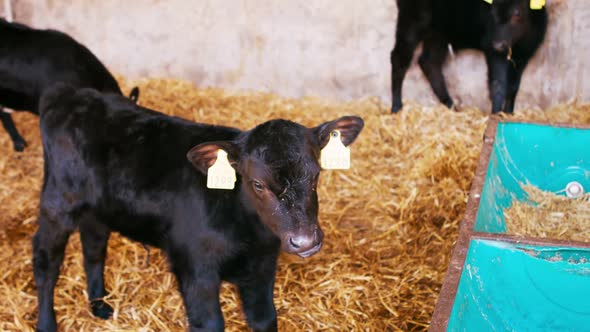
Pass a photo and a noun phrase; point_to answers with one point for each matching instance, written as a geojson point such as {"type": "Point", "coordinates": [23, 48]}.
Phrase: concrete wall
{"type": "Point", "coordinates": [331, 48]}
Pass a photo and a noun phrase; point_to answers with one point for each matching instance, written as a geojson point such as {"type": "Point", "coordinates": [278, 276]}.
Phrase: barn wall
{"type": "Point", "coordinates": [331, 48]}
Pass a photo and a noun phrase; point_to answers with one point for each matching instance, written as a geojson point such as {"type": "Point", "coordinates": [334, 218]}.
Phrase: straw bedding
{"type": "Point", "coordinates": [550, 216]}
{"type": "Point", "coordinates": [390, 222]}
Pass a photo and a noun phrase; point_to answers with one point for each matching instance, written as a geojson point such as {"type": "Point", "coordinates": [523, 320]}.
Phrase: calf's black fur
{"type": "Point", "coordinates": [507, 31]}
{"type": "Point", "coordinates": [111, 165]}
{"type": "Point", "coordinates": [32, 60]}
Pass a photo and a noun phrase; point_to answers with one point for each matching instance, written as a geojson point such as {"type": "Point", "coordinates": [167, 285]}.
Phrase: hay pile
{"type": "Point", "coordinates": [552, 216]}
{"type": "Point", "coordinates": [390, 222]}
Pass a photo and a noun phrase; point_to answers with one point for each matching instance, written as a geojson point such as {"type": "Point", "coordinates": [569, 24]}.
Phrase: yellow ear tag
{"type": "Point", "coordinates": [537, 4]}
{"type": "Point", "coordinates": [488, 1]}
{"type": "Point", "coordinates": [335, 155]}
{"type": "Point", "coordinates": [221, 175]}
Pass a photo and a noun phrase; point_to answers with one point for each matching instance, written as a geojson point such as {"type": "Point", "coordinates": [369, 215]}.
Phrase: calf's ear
{"type": "Point", "coordinates": [204, 155]}
{"type": "Point", "coordinates": [349, 127]}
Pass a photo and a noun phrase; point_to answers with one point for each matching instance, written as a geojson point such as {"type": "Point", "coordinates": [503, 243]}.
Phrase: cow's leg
{"type": "Point", "coordinates": [256, 292]}
{"type": "Point", "coordinates": [498, 67]}
{"type": "Point", "coordinates": [431, 61]}
{"type": "Point", "coordinates": [48, 252]}
{"type": "Point", "coordinates": [514, 76]}
{"type": "Point", "coordinates": [410, 26]}
{"type": "Point", "coordinates": [199, 286]}
{"type": "Point", "coordinates": [18, 142]}
{"type": "Point", "coordinates": [95, 236]}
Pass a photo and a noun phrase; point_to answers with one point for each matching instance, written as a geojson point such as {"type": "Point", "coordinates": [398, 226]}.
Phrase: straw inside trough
{"type": "Point", "coordinates": [390, 222]}
{"type": "Point", "coordinates": [550, 216]}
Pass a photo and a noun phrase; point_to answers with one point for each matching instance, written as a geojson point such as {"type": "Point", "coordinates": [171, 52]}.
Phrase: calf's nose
{"type": "Point", "coordinates": [301, 242]}
{"type": "Point", "coordinates": [304, 244]}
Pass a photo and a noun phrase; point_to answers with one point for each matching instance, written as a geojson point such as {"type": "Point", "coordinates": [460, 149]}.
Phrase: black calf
{"type": "Point", "coordinates": [111, 165]}
{"type": "Point", "coordinates": [32, 60]}
{"type": "Point", "coordinates": [507, 31]}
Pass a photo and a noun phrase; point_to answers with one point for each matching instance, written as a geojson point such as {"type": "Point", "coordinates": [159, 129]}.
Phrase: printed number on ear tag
{"type": "Point", "coordinates": [335, 155]}
{"type": "Point", "coordinates": [537, 4]}
{"type": "Point", "coordinates": [221, 175]}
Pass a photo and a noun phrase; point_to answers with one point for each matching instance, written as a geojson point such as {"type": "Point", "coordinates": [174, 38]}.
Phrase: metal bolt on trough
{"type": "Point", "coordinates": [574, 189]}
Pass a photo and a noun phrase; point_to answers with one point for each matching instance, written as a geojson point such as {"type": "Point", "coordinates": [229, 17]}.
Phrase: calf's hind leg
{"type": "Point", "coordinates": [431, 61]}
{"type": "Point", "coordinates": [413, 21]}
{"type": "Point", "coordinates": [95, 236]}
{"type": "Point", "coordinates": [400, 58]}
{"type": "Point", "coordinates": [49, 244]}
{"type": "Point", "coordinates": [18, 141]}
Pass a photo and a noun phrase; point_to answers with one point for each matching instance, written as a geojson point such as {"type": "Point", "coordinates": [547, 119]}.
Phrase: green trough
{"type": "Point", "coordinates": [500, 282]}
{"type": "Point", "coordinates": [512, 287]}
{"type": "Point", "coordinates": [550, 158]}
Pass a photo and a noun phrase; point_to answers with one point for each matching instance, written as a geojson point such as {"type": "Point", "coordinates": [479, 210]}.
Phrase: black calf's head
{"type": "Point", "coordinates": [278, 164]}
{"type": "Point", "coordinates": [511, 22]}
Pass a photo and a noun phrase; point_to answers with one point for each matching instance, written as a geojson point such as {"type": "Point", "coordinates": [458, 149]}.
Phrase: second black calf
{"type": "Point", "coordinates": [32, 60]}
{"type": "Point", "coordinates": [507, 31]}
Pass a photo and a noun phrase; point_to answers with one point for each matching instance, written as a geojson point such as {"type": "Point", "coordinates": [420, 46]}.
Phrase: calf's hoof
{"type": "Point", "coordinates": [450, 105]}
{"type": "Point", "coordinates": [264, 326]}
{"type": "Point", "coordinates": [19, 145]}
{"type": "Point", "coordinates": [211, 325]}
{"type": "Point", "coordinates": [101, 309]}
{"type": "Point", "coordinates": [46, 326]}
{"type": "Point", "coordinates": [395, 108]}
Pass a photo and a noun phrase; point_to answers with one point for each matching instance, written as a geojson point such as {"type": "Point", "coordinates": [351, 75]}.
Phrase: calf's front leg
{"type": "Point", "coordinates": [514, 76]}
{"type": "Point", "coordinates": [498, 67]}
{"type": "Point", "coordinates": [199, 286]}
{"type": "Point", "coordinates": [257, 301]}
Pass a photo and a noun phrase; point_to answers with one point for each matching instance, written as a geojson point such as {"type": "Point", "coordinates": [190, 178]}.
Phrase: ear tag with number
{"type": "Point", "coordinates": [335, 155]}
{"type": "Point", "coordinates": [488, 1]}
{"type": "Point", "coordinates": [537, 4]}
{"type": "Point", "coordinates": [221, 175]}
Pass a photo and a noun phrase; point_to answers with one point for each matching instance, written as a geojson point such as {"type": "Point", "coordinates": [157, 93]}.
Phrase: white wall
{"type": "Point", "coordinates": [331, 48]}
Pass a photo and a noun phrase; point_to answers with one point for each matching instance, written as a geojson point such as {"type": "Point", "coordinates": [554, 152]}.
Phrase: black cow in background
{"type": "Point", "coordinates": [111, 165]}
{"type": "Point", "coordinates": [32, 60]}
{"type": "Point", "coordinates": [507, 31]}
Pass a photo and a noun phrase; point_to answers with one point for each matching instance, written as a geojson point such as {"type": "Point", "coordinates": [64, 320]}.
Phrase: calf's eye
{"type": "Point", "coordinates": [257, 186]}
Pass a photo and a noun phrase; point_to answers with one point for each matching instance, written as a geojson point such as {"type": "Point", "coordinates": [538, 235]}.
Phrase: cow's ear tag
{"type": "Point", "coordinates": [221, 175]}
{"type": "Point", "coordinates": [537, 4]}
{"type": "Point", "coordinates": [488, 1]}
{"type": "Point", "coordinates": [335, 155]}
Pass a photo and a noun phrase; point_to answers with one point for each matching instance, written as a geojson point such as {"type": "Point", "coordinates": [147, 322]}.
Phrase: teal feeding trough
{"type": "Point", "coordinates": [554, 159]}
{"type": "Point", "coordinates": [500, 282]}
{"type": "Point", "coordinates": [521, 287]}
